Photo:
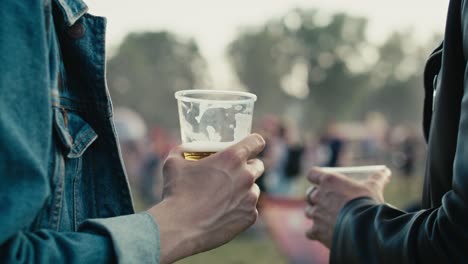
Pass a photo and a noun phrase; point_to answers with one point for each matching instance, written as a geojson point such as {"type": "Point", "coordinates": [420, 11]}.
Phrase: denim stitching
{"type": "Point", "coordinates": [77, 147]}
{"type": "Point", "coordinates": [79, 170]}
{"type": "Point", "coordinates": [57, 200]}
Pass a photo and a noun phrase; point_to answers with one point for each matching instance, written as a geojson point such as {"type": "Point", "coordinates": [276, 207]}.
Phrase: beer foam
{"type": "Point", "coordinates": [206, 146]}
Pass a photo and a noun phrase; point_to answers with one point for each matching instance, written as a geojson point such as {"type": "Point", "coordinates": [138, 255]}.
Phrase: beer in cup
{"type": "Point", "coordinates": [212, 120]}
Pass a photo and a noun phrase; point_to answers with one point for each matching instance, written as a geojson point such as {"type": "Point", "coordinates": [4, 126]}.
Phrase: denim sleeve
{"type": "Point", "coordinates": [124, 239]}
{"type": "Point", "coordinates": [25, 142]}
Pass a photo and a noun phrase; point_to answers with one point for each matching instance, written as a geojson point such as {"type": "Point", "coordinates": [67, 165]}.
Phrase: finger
{"type": "Point", "coordinates": [310, 211]}
{"type": "Point", "coordinates": [310, 191]}
{"type": "Point", "coordinates": [256, 167]}
{"type": "Point", "coordinates": [316, 175]}
{"type": "Point", "coordinates": [251, 199]}
{"type": "Point", "coordinates": [312, 233]}
{"type": "Point", "coordinates": [255, 190]}
{"type": "Point", "coordinates": [249, 147]}
{"type": "Point", "coordinates": [380, 178]}
{"type": "Point", "coordinates": [176, 152]}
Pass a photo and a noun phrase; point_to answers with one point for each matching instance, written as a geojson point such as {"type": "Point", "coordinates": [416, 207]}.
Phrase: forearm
{"type": "Point", "coordinates": [177, 241]}
{"type": "Point", "coordinates": [367, 232]}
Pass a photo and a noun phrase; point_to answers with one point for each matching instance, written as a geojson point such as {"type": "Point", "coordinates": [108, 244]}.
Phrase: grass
{"type": "Point", "coordinates": [247, 248]}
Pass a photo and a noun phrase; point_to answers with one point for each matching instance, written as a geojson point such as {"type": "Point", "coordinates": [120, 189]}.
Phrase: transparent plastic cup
{"type": "Point", "coordinates": [212, 120]}
{"type": "Point", "coordinates": [358, 173]}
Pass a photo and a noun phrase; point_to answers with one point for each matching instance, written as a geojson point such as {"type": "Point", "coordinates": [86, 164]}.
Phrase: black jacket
{"type": "Point", "coordinates": [370, 233]}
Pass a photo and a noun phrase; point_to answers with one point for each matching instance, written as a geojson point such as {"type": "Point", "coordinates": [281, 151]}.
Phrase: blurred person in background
{"type": "Point", "coordinates": [296, 151]}
{"type": "Point", "coordinates": [404, 148]}
{"type": "Point", "coordinates": [334, 144]}
{"type": "Point", "coordinates": [64, 194]}
{"type": "Point", "coordinates": [131, 132]}
{"type": "Point", "coordinates": [150, 171]}
{"type": "Point", "coordinates": [374, 145]}
{"type": "Point", "coordinates": [352, 218]}
{"type": "Point", "coordinates": [282, 157]}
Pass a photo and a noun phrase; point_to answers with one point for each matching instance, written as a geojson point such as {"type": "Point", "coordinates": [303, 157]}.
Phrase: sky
{"type": "Point", "coordinates": [215, 23]}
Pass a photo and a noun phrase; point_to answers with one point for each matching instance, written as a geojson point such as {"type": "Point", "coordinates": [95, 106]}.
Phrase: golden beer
{"type": "Point", "coordinates": [200, 150]}
{"type": "Point", "coordinates": [197, 155]}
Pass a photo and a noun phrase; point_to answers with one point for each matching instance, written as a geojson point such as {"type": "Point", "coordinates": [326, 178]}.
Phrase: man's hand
{"type": "Point", "coordinates": [330, 194]}
{"type": "Point", "coordinates": [208, 202]}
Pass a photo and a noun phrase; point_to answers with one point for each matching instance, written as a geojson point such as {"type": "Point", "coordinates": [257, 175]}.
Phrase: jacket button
{"type": "Point", "coordinates": [76, 31]}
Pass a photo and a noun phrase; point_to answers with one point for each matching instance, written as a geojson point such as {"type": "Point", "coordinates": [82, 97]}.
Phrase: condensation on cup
{"type": "Point", "coordinates": [212, 120]}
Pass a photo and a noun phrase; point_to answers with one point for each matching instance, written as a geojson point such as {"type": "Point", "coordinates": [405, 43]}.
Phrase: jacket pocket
{"type": "Point", "coordinates": [75, 134]}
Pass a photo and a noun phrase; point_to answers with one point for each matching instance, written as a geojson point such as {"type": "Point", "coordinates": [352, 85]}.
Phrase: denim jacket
{"type": "Point", "coordinates": [64, 195]}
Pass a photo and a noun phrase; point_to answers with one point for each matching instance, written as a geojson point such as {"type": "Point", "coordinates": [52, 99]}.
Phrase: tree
{"type": "Point", "coordinates": [302, 61]}
{"type": "Point", "coordinates": [261, 58]}
{"type": "Point", "coordinates": [396, 83]}
{"type": "Point", "coordinates": [338, 70]}
{"type": "Point", "coordinates": [324, 67]}
{"type": "Point", "coordinates": [148, 68]}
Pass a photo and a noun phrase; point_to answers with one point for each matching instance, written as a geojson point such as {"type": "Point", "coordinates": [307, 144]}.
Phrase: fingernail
{"type": "Point", "coordinates": [260, 139]}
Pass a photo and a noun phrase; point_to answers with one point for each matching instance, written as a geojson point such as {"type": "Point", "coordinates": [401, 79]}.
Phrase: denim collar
{"type": "Point", "coordinates": [72, 10]}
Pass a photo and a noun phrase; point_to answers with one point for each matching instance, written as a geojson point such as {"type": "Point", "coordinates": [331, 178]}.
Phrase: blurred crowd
{"type": "Point", "coordinates": [290, 152]}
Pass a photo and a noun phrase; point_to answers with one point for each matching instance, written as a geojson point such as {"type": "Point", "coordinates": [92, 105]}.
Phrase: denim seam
{"type": "Point", "coordinates": [93, 187]}
{"type": "Point", "coordinates": [78, 170]}
{"type": "Point", "coordinates": [124, 184]}
{"type": "Point", "coordinates": [70, 15]}
{"type": "Point", "coordinates": [79, 145]}
{"type": "Point", "coordinates": [57, 201]}
{"type": "Point", "coordinates": [62, 131]}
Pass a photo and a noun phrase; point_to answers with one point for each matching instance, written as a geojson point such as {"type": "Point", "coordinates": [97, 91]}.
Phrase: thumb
{"type": "Point", "coordinates": [176, 153]}
{"type": "Point", "coordinates": [248, 148]}
{"type": "Point", "coordinates": [378, 181]}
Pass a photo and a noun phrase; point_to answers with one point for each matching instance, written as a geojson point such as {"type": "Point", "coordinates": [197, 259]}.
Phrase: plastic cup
{"type": "Point", "coordinates": [212, 120]}
{"type": "Point", "coordinates": [358, 173]}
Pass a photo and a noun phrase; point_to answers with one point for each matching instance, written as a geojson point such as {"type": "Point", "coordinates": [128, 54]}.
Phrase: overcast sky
{"type": "Point", "coordinates": [214, 23]}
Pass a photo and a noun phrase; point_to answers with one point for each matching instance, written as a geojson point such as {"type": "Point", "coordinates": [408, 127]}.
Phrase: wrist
{"type": "Point", "coordinates": [176, 236]}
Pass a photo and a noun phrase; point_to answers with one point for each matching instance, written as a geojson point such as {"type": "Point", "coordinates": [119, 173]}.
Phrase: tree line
{"type": "Point", "coordinates": [304, 65]}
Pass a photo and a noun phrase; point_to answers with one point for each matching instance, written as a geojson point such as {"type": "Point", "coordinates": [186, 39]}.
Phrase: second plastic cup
{"type": "Point", "coordinates": [359, 173]}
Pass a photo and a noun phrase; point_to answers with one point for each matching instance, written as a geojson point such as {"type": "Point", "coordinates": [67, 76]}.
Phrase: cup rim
{"type": "Point", "coordinates": [182, 96]}
{"type": "Point", "coordinates": [354, 169]}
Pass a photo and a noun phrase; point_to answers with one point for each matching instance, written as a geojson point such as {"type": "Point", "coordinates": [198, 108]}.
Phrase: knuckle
{"type": "Point", "coordinates": [328, 179]}
{"type": "Point", "coordinates": [252, 199]}
{"type": "Point", "coordinates": [260, 166]}
{"type": "Point", "coordinates": [260, 141]}
{"type": "Point", "coordinates": [247, 179]}
{"type": "Point", "coordinates": [231, 156]}
{"type": "Point", "coordinates": [312, 212]}
{"type": "Point", "coordinates": [314, 197]}
{"type": "Point", "coordinates": [313, 233]}
{"type": "Point", "coordinates": [252, 218]}
{"type": "Point", "coordinates": [250, 177]}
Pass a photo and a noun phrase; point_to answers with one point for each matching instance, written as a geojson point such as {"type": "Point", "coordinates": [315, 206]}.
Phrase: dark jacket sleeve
{"type": "Point", "coordinates": [367, 232]}
{"type": "Point", "coordinates": [25, 140]}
